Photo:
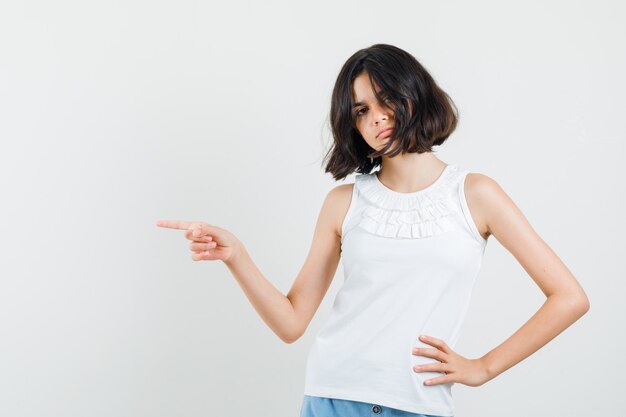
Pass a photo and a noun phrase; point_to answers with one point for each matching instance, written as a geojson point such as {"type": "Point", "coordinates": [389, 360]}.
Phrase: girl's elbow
{"type": "Point", "coordinates": [580, 303]}
{"type": "Point", "coordinates": [585, 305]}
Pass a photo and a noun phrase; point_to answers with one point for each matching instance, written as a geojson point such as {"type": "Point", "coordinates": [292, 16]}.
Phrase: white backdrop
{"type": "Point", "coordinates": [116, 114]}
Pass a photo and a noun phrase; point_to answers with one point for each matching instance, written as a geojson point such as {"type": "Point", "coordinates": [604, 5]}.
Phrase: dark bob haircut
{"type": "Point", "coordinates": [408, 86]}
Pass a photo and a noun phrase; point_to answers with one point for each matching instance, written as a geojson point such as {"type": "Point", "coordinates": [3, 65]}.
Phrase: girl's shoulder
{"type": "Point", "coordinates": [483, 195]}
{"type": "Point", "coordinates": [339, 199]}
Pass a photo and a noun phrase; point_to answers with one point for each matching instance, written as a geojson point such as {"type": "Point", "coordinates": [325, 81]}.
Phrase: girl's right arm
{"type": "Point", "coordinates": [273, 306]}
{"type": "Point", "coordinates": [289, 316]}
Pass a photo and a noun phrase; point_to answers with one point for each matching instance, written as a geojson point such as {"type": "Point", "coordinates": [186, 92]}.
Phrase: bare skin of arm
{"type": "Point", "coordinates": [287, 315]}
{"type": "Point", "coordinates": [566, 300]}
{"type": "Point", "coordinates": [495, 213]}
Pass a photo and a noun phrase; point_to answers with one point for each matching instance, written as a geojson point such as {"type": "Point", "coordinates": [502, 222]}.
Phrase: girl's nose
{"type": "Point", "coordinates": [380, 116]}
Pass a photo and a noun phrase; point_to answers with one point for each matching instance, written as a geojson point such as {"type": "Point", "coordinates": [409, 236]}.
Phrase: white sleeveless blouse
{"type": "Point", "coordinates": [410, 262]}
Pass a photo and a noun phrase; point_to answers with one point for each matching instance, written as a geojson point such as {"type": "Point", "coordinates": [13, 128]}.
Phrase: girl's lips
{"type": "Point", "coordinates": [385, 133]}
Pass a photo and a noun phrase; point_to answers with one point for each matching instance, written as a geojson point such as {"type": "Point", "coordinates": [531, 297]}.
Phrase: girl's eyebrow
{"type": "Point", "coordinates": [360, 103]}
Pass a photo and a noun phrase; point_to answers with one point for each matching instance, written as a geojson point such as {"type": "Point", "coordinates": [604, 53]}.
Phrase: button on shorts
{"type": "Point", "coordinates": [332, 407]}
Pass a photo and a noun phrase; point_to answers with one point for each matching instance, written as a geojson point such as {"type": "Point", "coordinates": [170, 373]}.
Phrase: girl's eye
{"type": "Point", "coordinates": [358, 113]}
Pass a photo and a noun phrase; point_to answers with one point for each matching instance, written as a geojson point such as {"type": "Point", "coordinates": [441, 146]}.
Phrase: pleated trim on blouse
{"type": "Point", "coordinates": [407, 215]}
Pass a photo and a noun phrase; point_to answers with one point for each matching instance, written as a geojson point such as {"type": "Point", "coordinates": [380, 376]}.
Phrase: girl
{"type": "Point", "coordinates": [411, 237]}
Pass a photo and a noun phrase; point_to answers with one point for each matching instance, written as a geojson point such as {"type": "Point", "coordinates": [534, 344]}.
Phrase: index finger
{"type": "Point", "coordinates": [175, 224]}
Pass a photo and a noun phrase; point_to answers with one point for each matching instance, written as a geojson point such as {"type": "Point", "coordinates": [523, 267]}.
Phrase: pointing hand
{"type": "Point", "coordinates": [208, 242]}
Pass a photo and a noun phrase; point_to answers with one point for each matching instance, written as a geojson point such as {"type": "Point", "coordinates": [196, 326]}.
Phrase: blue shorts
{"type": "Point", "coordinates": [332, 407]}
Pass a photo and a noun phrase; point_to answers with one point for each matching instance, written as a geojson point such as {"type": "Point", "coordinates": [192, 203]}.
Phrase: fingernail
{"type": "Point", "coordinates": [196, 232]}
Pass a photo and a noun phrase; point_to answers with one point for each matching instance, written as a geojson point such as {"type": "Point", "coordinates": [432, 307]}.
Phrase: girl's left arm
{"type": "Point", "coordinates": [566, 300]}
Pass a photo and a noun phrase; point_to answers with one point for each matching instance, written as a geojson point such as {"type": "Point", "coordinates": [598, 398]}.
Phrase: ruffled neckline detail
{"type": "Point", "coordinates": [413, 215]}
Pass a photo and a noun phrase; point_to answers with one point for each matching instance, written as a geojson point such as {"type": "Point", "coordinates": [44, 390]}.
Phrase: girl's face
{"type": "Point", "coordinates": [371, 117]}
